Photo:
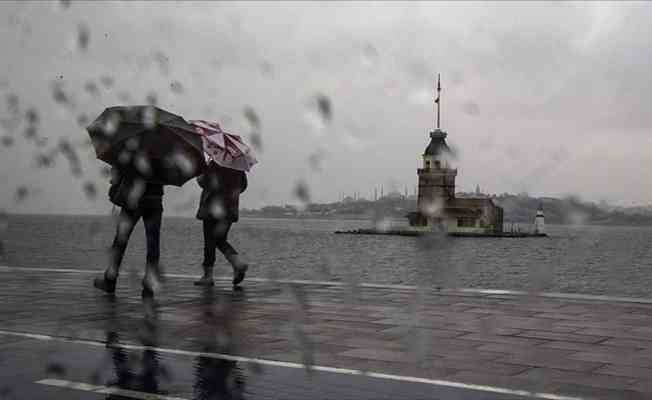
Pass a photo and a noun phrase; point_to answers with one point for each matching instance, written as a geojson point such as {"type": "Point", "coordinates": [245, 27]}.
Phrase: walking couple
{"type": "Point", "coordinates": [218, 210]}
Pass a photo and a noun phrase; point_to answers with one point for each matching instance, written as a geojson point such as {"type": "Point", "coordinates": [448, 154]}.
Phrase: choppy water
{"type": "Point", "coordinates": [578, 259]}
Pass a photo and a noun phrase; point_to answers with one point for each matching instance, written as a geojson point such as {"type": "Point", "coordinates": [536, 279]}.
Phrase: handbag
{"type": "Point", "coordinates": [119, 192]}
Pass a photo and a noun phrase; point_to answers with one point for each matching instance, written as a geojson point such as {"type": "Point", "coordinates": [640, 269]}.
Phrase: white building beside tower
{"type": "Point", "coordinates": [539, 222]}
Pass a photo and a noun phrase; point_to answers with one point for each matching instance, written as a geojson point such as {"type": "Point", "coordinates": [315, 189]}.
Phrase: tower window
{"type": "Point", "coordinates": [437, 164]}
{"type": "Point", "coordinates": [427, 164]}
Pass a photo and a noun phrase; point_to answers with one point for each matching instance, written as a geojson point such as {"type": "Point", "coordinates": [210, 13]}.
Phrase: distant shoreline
{"type": "Point", "coordinates": [336, 218]}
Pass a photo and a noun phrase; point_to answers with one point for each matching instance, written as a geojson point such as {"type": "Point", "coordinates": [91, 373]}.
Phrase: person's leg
{"type": "Point", "coordinates": [152, 218]}
{"type": "Point", "coordinates": [239, 267]}
{"type": "Point", "coordinates": [208, 227]}
{"type": "Point", "coordinates": [126, 222]}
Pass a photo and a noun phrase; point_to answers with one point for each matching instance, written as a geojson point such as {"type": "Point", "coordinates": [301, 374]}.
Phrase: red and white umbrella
{"type": "Point", "coordinates": [226, 149]}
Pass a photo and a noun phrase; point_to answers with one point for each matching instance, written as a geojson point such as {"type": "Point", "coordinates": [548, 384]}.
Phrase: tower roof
{"type": "Point", "coordinates": [437, 145]}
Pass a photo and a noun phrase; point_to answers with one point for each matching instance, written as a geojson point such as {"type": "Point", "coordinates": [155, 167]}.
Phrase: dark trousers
{"type": "Point", "coordinates": [215, 236]}
{"type": "Point", "coordinates": [152, 217]}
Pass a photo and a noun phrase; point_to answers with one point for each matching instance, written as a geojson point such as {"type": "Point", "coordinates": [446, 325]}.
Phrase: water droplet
{"type": "Point", "coordinates": [151, 99]}
{"type": "Point", "coordinates": [216, 209]}
{"type": "Point", "coordinates": [59, 94]}
{"type": "Point", "coordinates": [68, 151]}
{"type": "Point", "coordinates": [135, 193]}
{"type": "Point", "coordinates": [124, 97]}
{"type": "Point", "coordinates": [132, 144]}
{"type": "Point", "coordinates": [44, 161]}
{"type": "Point", "coordinates": [324, 106]}
{"type": "Point", "coordinates": [82, 120]}
{"type": "Point", "coordinates": [315, 159]}
{"type": "Point", "coordinates": [111, 123]}
{"type": "Point", "coordinates": [90, 190]}
{"type": "Point", "coordinates": [31, 115]}
{"type": "Point", "coordinates": [319, 112]}
{"type": "Point", "coordinates": [91, 88]}
{"type": "Point", "coordinates": [12, 103]}
{"type": "Point", "coordinates": [383, 225]}
{"type": "Point", "coordinates": [176, 87]}
{"type": "Point", "coordinates": [302, 192]}
{"type": "Point", "coordinates": [7, 141]}
{"type": "Point", "coordinates": [252, 117]}
{"type": "Point", "coordinates": [256, 140]}
{"type": "Point", "coordinates": [124, 157]}
{"type": "Point", "coordinates": [142, 165]}
{"type": "Point", "coordinates": [183, 162]}
{"type": "Point", "coordinates": [31, 132]}
{"type": "Point", "coordinates": [21, 193]}
{"type": "Point", "coordinates": [433, 208]}
{"type": "Point", "coordinates": [107, 81]}
{"type": "Point", "coordinates": [163, 61]}
{"type": "Point", "coordinates": [150, 117]}
{"type": "Point", "coordinates": [83, 36]}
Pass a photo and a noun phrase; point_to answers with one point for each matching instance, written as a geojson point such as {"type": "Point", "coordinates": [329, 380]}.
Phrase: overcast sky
{"type": "Point", "coordinates": [547, 98]}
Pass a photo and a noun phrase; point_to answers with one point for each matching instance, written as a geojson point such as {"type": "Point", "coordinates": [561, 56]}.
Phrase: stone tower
{"type": "Point", "coordinates": [436, 177]}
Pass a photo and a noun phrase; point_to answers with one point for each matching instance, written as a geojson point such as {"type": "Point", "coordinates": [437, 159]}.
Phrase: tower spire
{"type": "Point", "coordinates": [437, 100]}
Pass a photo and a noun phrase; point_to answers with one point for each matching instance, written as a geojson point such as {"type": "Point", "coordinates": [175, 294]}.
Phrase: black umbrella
{"type": "Point", "coordinates": [153, 143]}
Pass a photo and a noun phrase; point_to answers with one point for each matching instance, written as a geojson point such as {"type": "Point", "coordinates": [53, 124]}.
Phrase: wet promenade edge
{"type": "Point", "coordinates": [59, 338]}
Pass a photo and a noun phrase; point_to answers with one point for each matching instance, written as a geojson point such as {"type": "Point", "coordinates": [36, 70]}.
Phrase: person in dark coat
{"type": "Point", "coordinates": [137, 199]}
{"type": "Point", "coordinates": [218, 210]}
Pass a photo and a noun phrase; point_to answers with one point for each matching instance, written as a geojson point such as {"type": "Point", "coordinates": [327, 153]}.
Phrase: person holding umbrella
{"type": "Point", "coordinates": [137, 199]}
{"type": "Point", "coordinates": [147, 148]}
{"type": "Point", "coordinates": [222, 182]}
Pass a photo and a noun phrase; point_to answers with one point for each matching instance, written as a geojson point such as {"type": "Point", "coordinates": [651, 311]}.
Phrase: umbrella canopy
{"type": "Point", "coordinates": [153, 143]}
{"type": "Point", "coordinates": [226, 149]}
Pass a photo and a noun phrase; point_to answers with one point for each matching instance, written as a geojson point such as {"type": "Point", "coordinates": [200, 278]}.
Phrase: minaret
{"type": "Point", "coordinates": [436, 177]}
{"type": "Point", "coordinates": [539, 223]}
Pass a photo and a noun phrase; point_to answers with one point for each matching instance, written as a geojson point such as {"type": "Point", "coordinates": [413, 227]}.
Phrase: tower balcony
{"type": "Point", "coordinates": [448, 171]}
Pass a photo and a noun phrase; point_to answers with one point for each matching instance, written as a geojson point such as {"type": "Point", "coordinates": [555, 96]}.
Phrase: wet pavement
{"type": "Point", "coordinates": [59, 338]}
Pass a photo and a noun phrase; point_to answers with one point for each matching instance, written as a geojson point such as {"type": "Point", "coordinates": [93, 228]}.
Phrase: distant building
{"type": "Point", "coordinates": [437, 205]}
{"type": "Point", "coordinates": [539, 223]}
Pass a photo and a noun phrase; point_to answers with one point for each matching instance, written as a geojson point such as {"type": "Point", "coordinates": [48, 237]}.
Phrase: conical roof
{"type": "Point", "coordinates": [437, 145]}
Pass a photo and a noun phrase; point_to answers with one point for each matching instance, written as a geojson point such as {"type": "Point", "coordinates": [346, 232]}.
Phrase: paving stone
{"type": "Point", "coordinates": [550, 360]}
{"type": "Point", "coordinates": [577, 346]}
{"type": "Point", "coordinates": [377, 354]}
{"type": "Point", "coordinates": [568, 337]}
{"type": "Point", "coordinates": [590, 392]}
{"type": "Point", "coordinates": [585, 379]}
{"type": "Point", "coordinates": [611, 358]}
{"type": "Point", "coordinates": [494, 380]}
{"type": "Point", "coordinates": [626, 370]}
{"type": "Point", "coordinates": [501, 339]}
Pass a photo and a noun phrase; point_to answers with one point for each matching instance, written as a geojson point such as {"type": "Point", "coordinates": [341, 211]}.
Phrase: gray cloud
{"type": "Point", "coordinates": [548, 96]}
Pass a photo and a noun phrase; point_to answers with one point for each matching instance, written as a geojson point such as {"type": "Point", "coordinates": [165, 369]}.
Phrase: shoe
{"type": "Point", "coordinates": [239, 273]}
{"type": "Point", "coordinates": [147, 292]}
{"type": "Point", "coordinates": [205, 281]}
{"type": "Point", "coordinates": [105, 284]}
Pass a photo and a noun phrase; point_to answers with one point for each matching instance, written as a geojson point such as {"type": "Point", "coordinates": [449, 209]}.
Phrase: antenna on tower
{"type": "Point", "coordinates": [438, 99]}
